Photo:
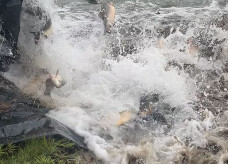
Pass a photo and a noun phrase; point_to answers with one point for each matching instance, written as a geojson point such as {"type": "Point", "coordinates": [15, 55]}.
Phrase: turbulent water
{"type": "Point", "coordinates": [147, 52]}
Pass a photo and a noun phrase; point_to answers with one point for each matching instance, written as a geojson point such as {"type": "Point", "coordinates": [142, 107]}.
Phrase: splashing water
{"type": "Point", "coordinates": [108, 74]}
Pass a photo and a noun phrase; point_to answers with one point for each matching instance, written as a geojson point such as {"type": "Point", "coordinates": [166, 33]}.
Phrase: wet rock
{"type": "Point", "coordinates": [223, 82]}
{"type": "Point", "coordinates": [173, 64]}
{"type": "Point", "coordinates": [222, 3]}
{"type": "Point", "coordinates": [124, 48]}
{"type": "Point", "coordinates": [135, 160]}
{"type": "Point", "coordinates": [7, 55]}
{"type": "Point", "coordinates": [146, 101]}
{"type": "Point", "coordinates": [225, 69]}
{"type": "Point", "coordinates": [153, 110]}
{"type": "Point", "coordinates": [197, 155]}
{"type": "Point", "coordinates": [208, 46]}
{"type": "Point", "coordinates": [130, 30]}
{"type": "Point", "coordinates": [191, 70]}
{"type": "Point", "coordinates": [149, 121]}
{"type": "Point", "coordinates": [222, 21]}
{"type": "Point", "coordinates": [93, 1]}
{"type": "Point", "coordinates": [165, 31]}
{"type": "Point", "coordinates": [213, 148]}
{"type": "Point", "coordinates": [155, 117]}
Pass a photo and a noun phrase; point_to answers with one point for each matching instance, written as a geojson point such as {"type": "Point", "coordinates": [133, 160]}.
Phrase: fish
{"type": "Point", "coordinates": [125, 116]}
{"type": "Point", "coordinates": [193, 49]}
{"type": "Point", "coordinates": [52, 82]}
{"type": "Point", "coordinates": [107, 14]}
{"type": "Point", "coordinates": [43, 84]}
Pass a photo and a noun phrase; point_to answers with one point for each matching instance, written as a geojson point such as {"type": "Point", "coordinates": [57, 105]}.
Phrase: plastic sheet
{"type": "Point", "coordinates": [26, 118]}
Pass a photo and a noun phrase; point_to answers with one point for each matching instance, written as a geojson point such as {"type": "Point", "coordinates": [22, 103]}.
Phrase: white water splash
{"type": "Point", "coordinates": [98, 87]}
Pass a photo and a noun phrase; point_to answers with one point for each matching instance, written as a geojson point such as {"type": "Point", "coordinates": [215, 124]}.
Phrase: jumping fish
{"type": "Point", "coordinates": [107, 14]}
{"type": "Point", "coordinates": [43, 85]}
{"type": "Point", "coordinates": [125, 116]}
{"type": "Point", "coordinates": [193, 49]}
{"type": "Point", "coordinates": [128, 115]}
{"type": "Point", "coordinates": [53, 81]}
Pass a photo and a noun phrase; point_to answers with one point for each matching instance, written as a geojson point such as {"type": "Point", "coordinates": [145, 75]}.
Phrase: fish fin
{"type": "Point", "coordinates": [57, 72]}
{"type": "Point", "coordinates": [101, 15]}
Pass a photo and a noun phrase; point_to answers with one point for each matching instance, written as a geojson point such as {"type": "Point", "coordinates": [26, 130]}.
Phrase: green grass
{"type": "Point", "coordinates": [39, 151]}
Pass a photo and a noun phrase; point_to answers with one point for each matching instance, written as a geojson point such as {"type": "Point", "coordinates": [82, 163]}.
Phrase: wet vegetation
{"type": "Point", "coordinates": [40, 151]}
